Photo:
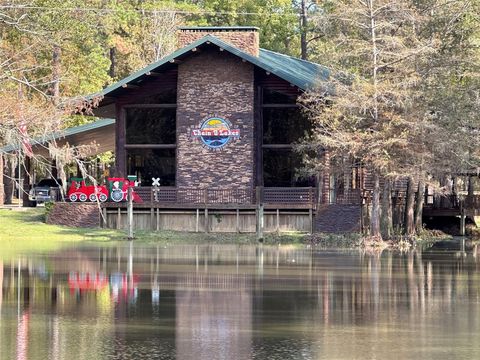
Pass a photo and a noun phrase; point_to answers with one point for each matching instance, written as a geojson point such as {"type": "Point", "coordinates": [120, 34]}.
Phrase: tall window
{"type": "Point", "coordinates": [152, 163]}
{"type": "Point", "coordinates": [283, 125]}
{"type": "Point", "coordinates": [150, 131]}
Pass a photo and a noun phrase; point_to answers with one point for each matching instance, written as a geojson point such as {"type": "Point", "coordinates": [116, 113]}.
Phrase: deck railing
{"type": "Point", "coordinates": [351, 197]}
{"type": "Point", "coordinates": [173, 195]}
{"type": "Point", "coordinates": [303, 195]}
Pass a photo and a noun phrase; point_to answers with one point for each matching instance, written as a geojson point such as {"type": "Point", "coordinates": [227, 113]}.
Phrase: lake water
{"type": "Point", "coordinates": [239, 302]}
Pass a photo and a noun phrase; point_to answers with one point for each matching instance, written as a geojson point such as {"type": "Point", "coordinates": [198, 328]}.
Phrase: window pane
{"type": "Point", "coordinates": [151, 126]}
{"type": "Point", "coordinates": [284, 125]}
{"type": "Point", "coordinates": [148, 163]}
{"type": "Point", "coordinates": [275, 97]}
{"type": "Point", "coordinates": [166, 96]}
{"type": "Point", "coordinates": [279, 169]}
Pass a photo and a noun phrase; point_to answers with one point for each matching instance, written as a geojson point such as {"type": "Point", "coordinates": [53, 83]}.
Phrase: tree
{"type": "Point", "coordinates": [378, 113]}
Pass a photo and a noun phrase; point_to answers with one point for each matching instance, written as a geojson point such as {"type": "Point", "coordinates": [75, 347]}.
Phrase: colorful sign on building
{"type": "Point", "coordinates": [215, 133]}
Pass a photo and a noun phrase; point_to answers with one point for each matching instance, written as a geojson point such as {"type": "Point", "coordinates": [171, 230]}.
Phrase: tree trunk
{"type": "Point", "coordinates": [419, 206]}
{"type": "Point", "coordinates": [8, 181]}
{"type": "Point", "coordinates": [375, 218]}
{"type": "Point", "coordinates": [27, 172]}
{"type": "Point", "coordinates": [409, 222]}
{"type": "Point", "coordinates": [303, 29]}
{"type": "Point", "coordinates": [2, 192]}
{"type": "Point", "coordinates": [112, 62]}
{"type": "Point", "coordinates": [56, 71]}
{"type": "Point", "coordinates": [471, 189]}
{"type": "Point", "coordinates": [387, 216]}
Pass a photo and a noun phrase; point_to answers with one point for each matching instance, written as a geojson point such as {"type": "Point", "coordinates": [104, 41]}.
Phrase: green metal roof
{"type": "Point", "coordinates": [301, 73]}
{"type": "Point", "coordinates": [304, 74]}
{"type": "Point", "coordinates": [220, 28]}
{"type": "Point", "coordinates": [63, 134]}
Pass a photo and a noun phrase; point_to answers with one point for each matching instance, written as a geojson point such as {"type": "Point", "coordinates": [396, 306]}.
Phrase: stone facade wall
{"type": "Point", "coordinates": [84, 215]}
{"type": "Point", "coordinates": [215, 83]}
{"type": "Point", "coordinates": [247, 41]}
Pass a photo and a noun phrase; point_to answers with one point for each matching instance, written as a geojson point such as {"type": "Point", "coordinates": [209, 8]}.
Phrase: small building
{"type": "Point", "coordinates": [216, 122]}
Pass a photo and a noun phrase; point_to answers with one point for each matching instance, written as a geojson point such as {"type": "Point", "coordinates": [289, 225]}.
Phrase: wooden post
{"type": "Point", "coordinates": [206, 220]}
{"type": "Point", "coordinates": [104, 222]}
{"type": "Point", "coordinates": [238, 221]}
{"type": "Point", "coordinates": [119, 218]}
{"type": "Point", "coordinates": [130, 214]}
{"type": "Point", "coordinates": [310, 211]}
{"type": "Point", "coordinates": [362, 226]}
{"type": "Point", "coordinates": [120, 153]}
{"type": "Point", "coordinates": [197, 220]}
{"type": "Point", "coordinates": [258, 116]}
{"type": "Point", "coordinates": [278, 221]}
{"type": "Point", "coordinates": [260, 213]}
{"type": "Point", "coordinates": [310, 216]}
{"type": "Point", "coordinates": [152, 218]}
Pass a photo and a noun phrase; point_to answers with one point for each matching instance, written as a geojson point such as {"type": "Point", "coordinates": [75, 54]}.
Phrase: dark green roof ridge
{"type": "Point", "coordinates": [220, 28]}
{"type": "Point", "coordinates": [300, 73]}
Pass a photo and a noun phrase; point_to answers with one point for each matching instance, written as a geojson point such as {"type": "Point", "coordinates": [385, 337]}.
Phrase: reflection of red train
{"type": "Point", "coordinates": [78, 191]}
{"type": "Point", "coordinates": [122, 286]}
{"type": "Point", "coordinates": [87, 281]}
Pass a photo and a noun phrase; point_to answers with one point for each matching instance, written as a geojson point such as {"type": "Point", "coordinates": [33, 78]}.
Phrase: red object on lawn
{"type": "Point", "coordinates": [119, 190]}
{"type": "Point", "coordinates": [79, 191]}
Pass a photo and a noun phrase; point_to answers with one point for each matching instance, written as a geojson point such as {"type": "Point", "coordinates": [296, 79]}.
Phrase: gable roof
{"type": "Point", "coordinates": [301, 73]}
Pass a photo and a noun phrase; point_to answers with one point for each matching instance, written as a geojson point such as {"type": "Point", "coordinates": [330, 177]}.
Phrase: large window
{"type": "Point", "coordinates": [276, 97]}
{"type": "Point", "coordinates": [283, 124]}
{"type": "Point", "coordinates": [150, 137]}
{"type": "Point", "coordinates": [279, 169]}
{"type": "Point", "coordinates": [152, 163]}
{"type": "Point", "coordinates": [151, 126]}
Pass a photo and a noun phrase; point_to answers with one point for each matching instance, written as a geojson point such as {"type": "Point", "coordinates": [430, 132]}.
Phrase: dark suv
{"type": "Point", "coordinates": [45, 190]}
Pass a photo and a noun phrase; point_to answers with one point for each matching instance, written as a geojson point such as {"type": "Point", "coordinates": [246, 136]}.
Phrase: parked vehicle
{"type": "Point", "coordinates": [45, 190]}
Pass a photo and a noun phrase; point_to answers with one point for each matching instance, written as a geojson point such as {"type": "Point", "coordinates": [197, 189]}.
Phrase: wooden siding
{"type": "Point", "coordinates": [218, 221]}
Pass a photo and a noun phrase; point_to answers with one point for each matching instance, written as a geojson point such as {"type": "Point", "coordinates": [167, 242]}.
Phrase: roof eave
{"type": "Point", "coordinates": [207, 39]}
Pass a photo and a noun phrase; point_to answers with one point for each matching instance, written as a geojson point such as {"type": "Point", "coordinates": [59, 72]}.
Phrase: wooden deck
{"type": "Point", "coordinates": [180, 198]}
{"type": "Point", "coordinates": [452, 205]}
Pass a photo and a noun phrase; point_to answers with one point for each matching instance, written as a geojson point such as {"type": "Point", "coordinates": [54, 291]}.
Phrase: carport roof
{"type": "Point", "coordinates": [101, 132]}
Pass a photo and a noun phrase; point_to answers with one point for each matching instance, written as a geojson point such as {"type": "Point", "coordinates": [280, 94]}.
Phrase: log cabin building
{"type": "Point", "coordinates": [216, 122]}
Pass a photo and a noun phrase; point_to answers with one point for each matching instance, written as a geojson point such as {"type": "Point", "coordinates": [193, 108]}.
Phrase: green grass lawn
{"type": "Point", "coordinates": [25, 232]}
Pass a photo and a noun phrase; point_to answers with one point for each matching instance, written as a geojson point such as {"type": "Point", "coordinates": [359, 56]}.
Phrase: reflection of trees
{"type": "Point", "coordinates": [213, 316]}
{"type": "Point", "coordinates": [241, 300]}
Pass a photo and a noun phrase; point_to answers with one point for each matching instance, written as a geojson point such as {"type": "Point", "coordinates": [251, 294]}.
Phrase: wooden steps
{"type": "Point", "coordinates": [338, 218]}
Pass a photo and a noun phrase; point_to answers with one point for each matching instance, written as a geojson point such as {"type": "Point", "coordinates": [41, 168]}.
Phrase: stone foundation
{"type": "Point", "coordinates": [85, 215]}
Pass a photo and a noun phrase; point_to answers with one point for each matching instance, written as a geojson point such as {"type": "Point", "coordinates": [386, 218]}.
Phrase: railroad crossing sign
{"type": "Point", "coordinates": [155, 181]}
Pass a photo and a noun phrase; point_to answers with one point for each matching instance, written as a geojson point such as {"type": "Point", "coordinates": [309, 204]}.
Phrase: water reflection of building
{"type": "Point", "coordinates": [213, 317]}
{"type": "Point", "coordinates": [209, 300]}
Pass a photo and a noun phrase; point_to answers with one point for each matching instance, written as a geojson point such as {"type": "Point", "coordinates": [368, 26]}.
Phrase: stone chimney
{"type": "Point", "coordinates": [244, 38]}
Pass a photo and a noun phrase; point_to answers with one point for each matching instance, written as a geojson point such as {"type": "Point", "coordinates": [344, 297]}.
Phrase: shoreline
{"type": "Point", "coordinates": [26, 231]}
